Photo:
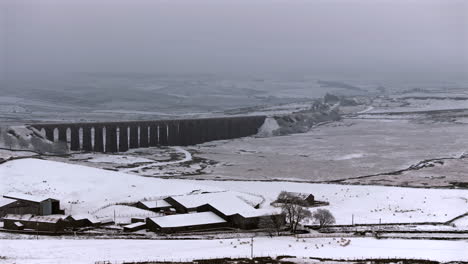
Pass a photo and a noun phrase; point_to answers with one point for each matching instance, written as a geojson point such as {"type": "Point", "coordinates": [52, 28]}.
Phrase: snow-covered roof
{"type": "Point", "coordinates": [182, 220]}
{"type": "Point", "coordinates": [34, 218]}
{"type": "Point", "coordinates": [26, 197]}
{"type": "Point", "coordinates": [79, 217]}
{"type": "Point", "coordinates": [138, 224]}
{"type": "Point", "coordinates": [225, 202]}
{"type": "Point", "coordinates": [260, 212]}
{"type": "Point", "coordinates": [4, 201]}
{"type": "Point", "coordinates": [155, 204]}
{"type": "Point", "coordinates": [24, 217]}
{"type": "Point", "coordinates": [300, 195]}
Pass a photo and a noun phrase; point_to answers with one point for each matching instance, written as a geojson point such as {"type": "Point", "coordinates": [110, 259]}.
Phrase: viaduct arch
{"type": "Point", "coordinates": [121, 136]}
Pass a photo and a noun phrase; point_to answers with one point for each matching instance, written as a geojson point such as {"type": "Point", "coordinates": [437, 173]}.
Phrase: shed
{"type": "Point", "coordinates": [18, 203]}
{"type": "Point", "coordinates": [185, 222]}
{"type": "Point", "coordinates": [137, 219]}
{"type": "Point", "coordinates": [50, 223]}
{"type": "Point", "coordinates": [134, 227]}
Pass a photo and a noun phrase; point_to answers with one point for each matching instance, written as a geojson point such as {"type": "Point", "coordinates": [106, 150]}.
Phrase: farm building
{"type": "Point", "coordinates": [227, 206]}
{"type": "Point", "coordinates": [259, 218]}
{"type": "Point", "coordinates": [134, 227]}
{"type": "Point", "coordinates": [226, 202]}
{"type": "Point", "coordinates": [28, 204]}
{"type": "Point", "coordinates": [48, 223]}
{"type": "Point", "coordinates": [77, 221]}
{"type": "Point", "coordinates": [155, 206]}
{"type": "Point", "coordinates": [304, 199]}
{"type": "Point", "coordinates": [185, 222]}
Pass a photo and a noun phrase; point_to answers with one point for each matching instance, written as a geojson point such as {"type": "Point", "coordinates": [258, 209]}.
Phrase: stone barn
{"type": "Point", "coordinates": [28, 204]}
{"type": "Point", "coordinates": [304, 199]}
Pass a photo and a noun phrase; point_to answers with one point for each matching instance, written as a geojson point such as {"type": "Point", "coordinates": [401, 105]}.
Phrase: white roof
{"type": "Point", "coordinates": [26, 197]}
{"type": "Point", "coordinates": [91, 218]}
{"type": "Point", "coordinates": [194, 219]}
{"type": "Point", "coordinates": [5, 201]}
{"type": "Point", "coordinates": [33, 218]}
{"type": "Point", "coordinates": [154, 204]}
{"type": "Point", "coordinates": [260, 212]}
{"type": "Point", "coordinates": [135, 225]}
{"type": "Point", "coordinates": [225, 202]}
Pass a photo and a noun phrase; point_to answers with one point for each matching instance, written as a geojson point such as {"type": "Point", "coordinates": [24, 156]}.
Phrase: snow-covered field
{"type": "Point", "coordinates": [84, 189]}
{"type": "Point", "coordinates": [89, 251]}
{"type": "Point", "coordinates": [368, 204]}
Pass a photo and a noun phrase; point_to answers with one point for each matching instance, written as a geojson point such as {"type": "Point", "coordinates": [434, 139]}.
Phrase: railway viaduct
{"type": "Point", "coordinates": [121, 136]}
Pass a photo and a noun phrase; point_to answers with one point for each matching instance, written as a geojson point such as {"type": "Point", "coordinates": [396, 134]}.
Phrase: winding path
{"type": "Point", "coordinates": [187, 157]}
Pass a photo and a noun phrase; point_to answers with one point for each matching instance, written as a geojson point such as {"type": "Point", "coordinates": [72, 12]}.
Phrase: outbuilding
{"type": "Point", "coordinates": [155, 206]}
{"type": "Point", "coordinates": [228, 206]}
{"type": "Point", "coordinates": [18, 203]}
{"type": "Point", "coordinates": [82, 220]}
{"type": "Point", "coordinates": [50, 223]}
{"type": "Point", "coordinates": [134, 227]}
{"type": "Point", "coordinates": [185, 222]}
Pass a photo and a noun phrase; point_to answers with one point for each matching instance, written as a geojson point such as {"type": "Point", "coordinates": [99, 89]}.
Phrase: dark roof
{"type": "Point", "coordinates": [300, 195]}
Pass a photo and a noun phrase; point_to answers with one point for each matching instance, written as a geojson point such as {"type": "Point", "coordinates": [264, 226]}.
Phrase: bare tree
{"type": "Point", "coordinates": [323, 217]}
{"type": "Point", "coordinates": [272, 223]}
{"type": "Point", "coordinates": [292, 209]}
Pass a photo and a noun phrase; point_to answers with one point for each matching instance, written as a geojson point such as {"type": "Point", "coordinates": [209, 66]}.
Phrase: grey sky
{"type": "Point", "coordinates": [234, 36]}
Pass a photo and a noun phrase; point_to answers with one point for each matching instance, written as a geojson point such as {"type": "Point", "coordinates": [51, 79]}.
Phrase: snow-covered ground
{"type": "Point", "coordinates": [89, 251]}
{"type": "Point", "coordinates": [83, 189]}
{"type": "Point", "coordinates": [367, 204]}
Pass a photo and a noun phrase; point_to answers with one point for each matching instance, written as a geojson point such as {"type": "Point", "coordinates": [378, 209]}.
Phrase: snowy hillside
{"type": "Point", "coordinates": [84, 189]}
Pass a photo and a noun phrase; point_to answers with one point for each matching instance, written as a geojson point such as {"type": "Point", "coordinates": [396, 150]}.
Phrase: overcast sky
{"type": "Point", "coordinates": [234, 36]}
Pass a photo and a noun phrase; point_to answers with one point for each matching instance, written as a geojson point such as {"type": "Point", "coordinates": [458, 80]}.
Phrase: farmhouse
{"type": "Point", "coordinates": [155, 206]}
{"type": "Point", "coordinates": [304, 199]}
{"type": "Point", "coordinates": [49, 223]}
{"type": "Point", "coordinates": [27, 204]}
{"type": "Point", "coordinates": [185, 222]}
